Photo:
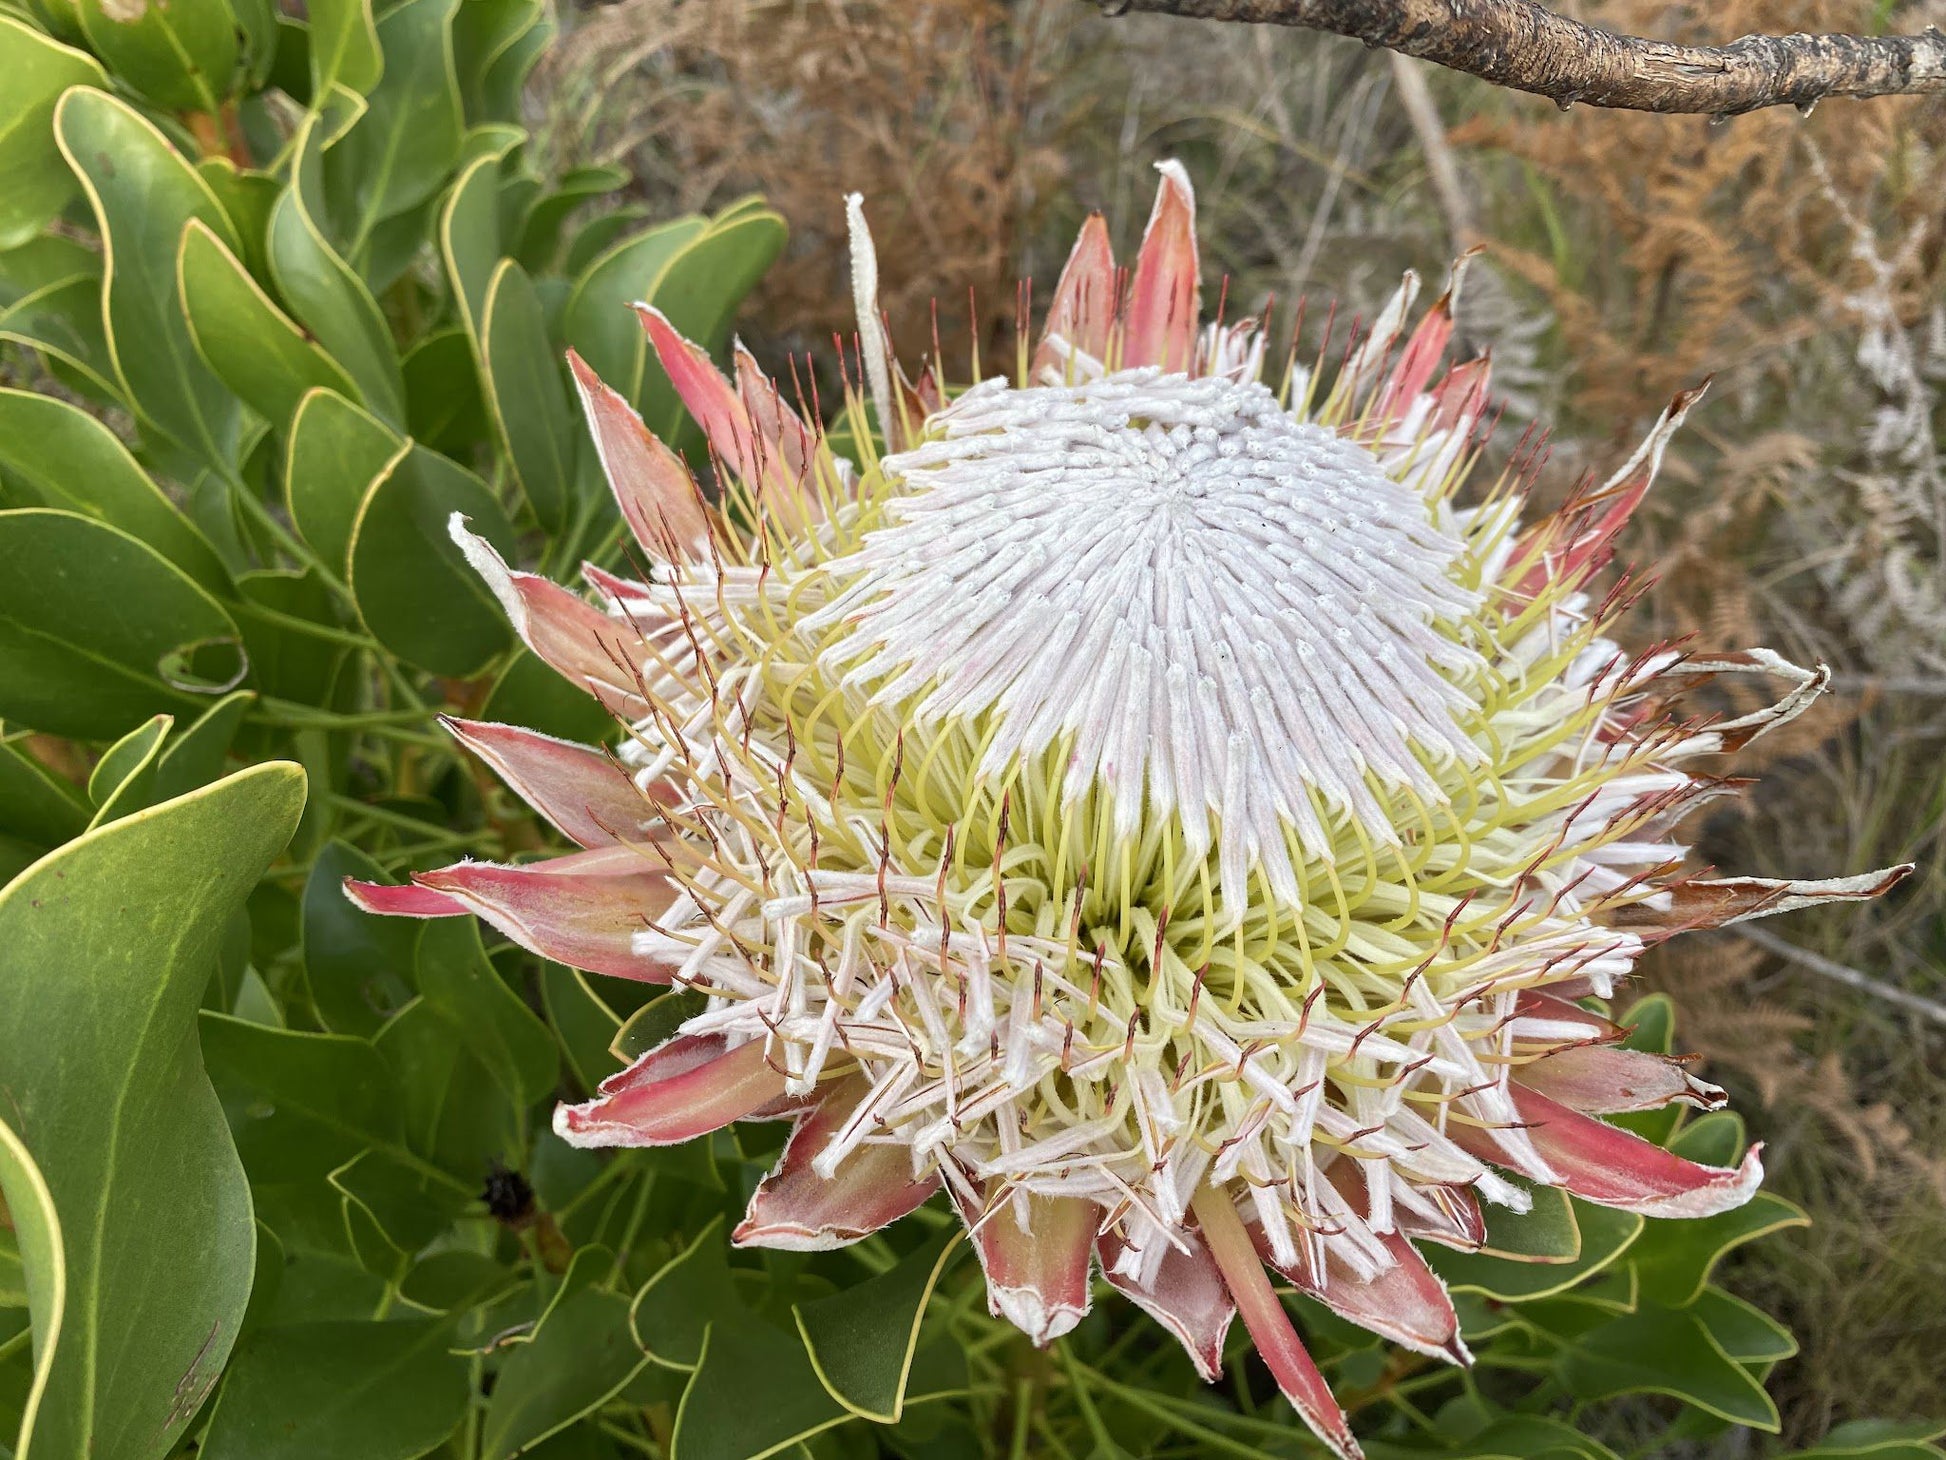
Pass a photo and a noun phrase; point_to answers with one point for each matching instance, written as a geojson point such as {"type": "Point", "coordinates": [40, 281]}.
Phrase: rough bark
{"type": "Point", "coordinates": [1526, 46]}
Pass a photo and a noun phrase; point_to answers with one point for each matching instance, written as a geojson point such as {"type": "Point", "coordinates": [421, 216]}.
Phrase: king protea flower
{"type": "Point", "coordinates": [1147, 806]}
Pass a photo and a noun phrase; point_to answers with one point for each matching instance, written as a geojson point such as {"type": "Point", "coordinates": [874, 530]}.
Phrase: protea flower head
{"type": "Point", "coordinates": [1153, 808]}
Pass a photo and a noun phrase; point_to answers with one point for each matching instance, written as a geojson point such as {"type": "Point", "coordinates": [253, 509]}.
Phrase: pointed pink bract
{"type": "Point", "coordinates": [1186, 1296]}
{"type": "Point", "coordinates": [1611, 1167]}
{"type": "Point", "coordinates": [582, 910]}
{"type": "Point", "coordinates": [660, 501]}
{"type": "Point", "coordinates": [583, 793]}
{"type": "Point", "coordinates": [1083, 309]}
{"type": "Point", "coordinates": [1037, 1279]}
{"type": "Point", "coordinates": [1270, 1326]}
{"type": "Point", "coordinates": [1163, 315]}
{"type": "Point", "coordinates": [686, 1088]}
{"type": "Point", "coordinates": [1601, 1080]}
{"type": "Point", "coordinates": [796, 1209]}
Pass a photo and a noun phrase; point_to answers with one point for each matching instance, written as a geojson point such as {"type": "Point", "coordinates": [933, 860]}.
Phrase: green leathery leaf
{"type": "Point", "coordinates": [526, 395]}
{"type": "Point", "coordinates": [339, 1391]}
{"type": "Point", "coordinates": [409, 138]}
{"type": "Point", "coordinates": [179, 56]}
{"type": "Point", "coordinates": [61, 321]}
{"type": "Point", "coordinates": [243, 336]}
{"type": "Point", "coordinates": [454, 1112]}
{"type": "Point", "coordinates": [483, 33]}
{"type": "Point", "coordinates": [454, 1281]}
{"type": "Point", "coordinates": [531, 692]}
{"type": "Point", "coordinates": [1546, 1233]}
{"type": "Point", "coordinates": [337, 448]}
{"type": "Point", "coordinates": [699, 291]}
{"type": "Point", "coordinates": [76, 462]}
{"type": "Point", "coordinates": [655, 1023]}
{"type": "Point", "coordinates": [469, 233]}
{"type": "Point", "coordinates": [408, 1211]}
{"type": "Point", "coordinates": [1665, 1351]}
{"type": "Point", "coordinates": [1742, 1330]}
{"type": "Point", "coordinates": [601, 233]}
{"type": "Point", "coordinates": [107, 1094]}
{"type": "Point", "coordinates": [40, 1263]}
{"type": "Point", "coordinates": [581, 1356]}
{"type": "Point", "coordinates": [195, 755]}
{"type": "Point", "coordinates": [79, 662]}
{"type": "Point", "coordinates": [597, 318]}
{"type": "Point", "coordinates": [344, 49]}
{"type": "Point", "coordinates": [1879, 1438]}
{"type": "Point", "coordinates": [672, 1312]}
{"type": "Point", "coordinates": [716, 1419]}
{"type": "Point", "coordinates": [35, 184]}
{"type": "Point", "coordinates": [415, 590]}
{"type": "Point", "coordinates": [460, 984]}
{"type": "Point", "coordinates": [359, 968]}
{"type": "Point", "coordinates": [124, 775]}
{"type": "Point", "coordinates": [444, 409]}
{"type": "Point", "coordinates": [301, 1104]}
{"type": "Point", "coordinates": [1603, 1235]}
{"type": "Point", "coordinates": [584, 1023]}
{"type": "Point", "coordinates": [36, 803]}
{"type": "Point", "coordinates": [540, 230]}
{"type": "Point", "coordinates": [1533, 1437]}
{"type": "Point", "coordinates": [144, 194]}
{"type": "Point", "coordinates": [861, 1340]}
{"type": "Point", "coordinates": [323, 292]}
{"type": "Point", "coordinates": [1674, 1259]}
{"type": "Point", "coordinates": [1716, 1139]}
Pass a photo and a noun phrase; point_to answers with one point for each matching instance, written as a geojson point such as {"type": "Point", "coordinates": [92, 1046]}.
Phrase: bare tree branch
{"type": "Point", "coordinates": [1850, 977]}
{"type": "Point", "coordinates": [1526, 46]}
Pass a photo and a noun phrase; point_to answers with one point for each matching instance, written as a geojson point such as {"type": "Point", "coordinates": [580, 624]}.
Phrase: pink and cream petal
{"type": "Point", "coordinates": [1405, 1301]}
{"type": "Point", "coordinates": [1082, 314]}
{"type": "Point", "coordinates": [1036, 1275]}
{"type": "Point", "coordinates": [1186, 1295]}
{"type": "Point", "coordinates": [1609, 1166]}
{"type": "Point", "coordinates": [581, 791]}
{"type": "Point", "coordinates": [1163, 313]}
{"type": "Point", "coordinates": [772, 417]}
{"type": "Point", "coordinates": [798, 1210]}
{"type": "Point", "coordinates": [660, 501]}
{"type": "Point", "coordinates": [409, 900]}
{"type": "Point", "coordinates": [594, 651]}
{"type": "Point", "coordinates": [1700, 902]}
{"type": "Point", "coordinates": [686, 1088]}
{"type": "Point", "coordinates": [583, 910]}
{"type": "Point", "coordinates": [1601, 1080]}
{"type": "Point", "coordinates": [1270, 1326]}
{"type": "Point", "coordinates": [709, 397]}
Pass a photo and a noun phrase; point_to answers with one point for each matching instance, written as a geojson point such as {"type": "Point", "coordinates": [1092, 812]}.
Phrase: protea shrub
{"type": "Point", "coordinates": [1180, 818]}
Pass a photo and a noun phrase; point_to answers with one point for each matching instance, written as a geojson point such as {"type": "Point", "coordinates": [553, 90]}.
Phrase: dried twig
{"type": "Point", "coordinates": [1526, 46]}
{"type": "Point", "coordinates": [1850, 977]}
{"type": "Point", "coordinates": [1442, 169]}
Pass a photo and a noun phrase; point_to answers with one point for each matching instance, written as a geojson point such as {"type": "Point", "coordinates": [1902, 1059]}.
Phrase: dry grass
{"type": "Point", "coordinates": [1801, 261]}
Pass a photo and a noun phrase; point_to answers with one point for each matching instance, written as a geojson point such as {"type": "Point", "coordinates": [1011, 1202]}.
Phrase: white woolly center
{"type": "Point", "coordinates": [1230, 609]}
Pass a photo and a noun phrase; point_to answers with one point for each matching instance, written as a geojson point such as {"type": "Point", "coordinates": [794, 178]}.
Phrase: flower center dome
{"type": "Point", "coordinates": [1210, 603]}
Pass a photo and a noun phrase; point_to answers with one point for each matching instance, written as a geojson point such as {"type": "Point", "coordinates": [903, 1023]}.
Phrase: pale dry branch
{"type": "Point", "coordinates": [1528, 47]}
{"type": "Point", "coordinates": [1850, 977]}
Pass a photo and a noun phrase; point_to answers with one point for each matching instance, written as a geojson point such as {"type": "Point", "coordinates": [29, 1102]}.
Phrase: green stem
{"type": "Point", "coordinates": [618, 1167]}
{"type": "Point", "coordinates": [287, 540]}
{"type": "Point", "coordinates": [399, 819]}
{"type": "Point", "coordinates": [1089, 1414]}
{"type": "Point", "coordinates": [1023, 1417]}
{"type": "Point", "coordinates": [244, 609]}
